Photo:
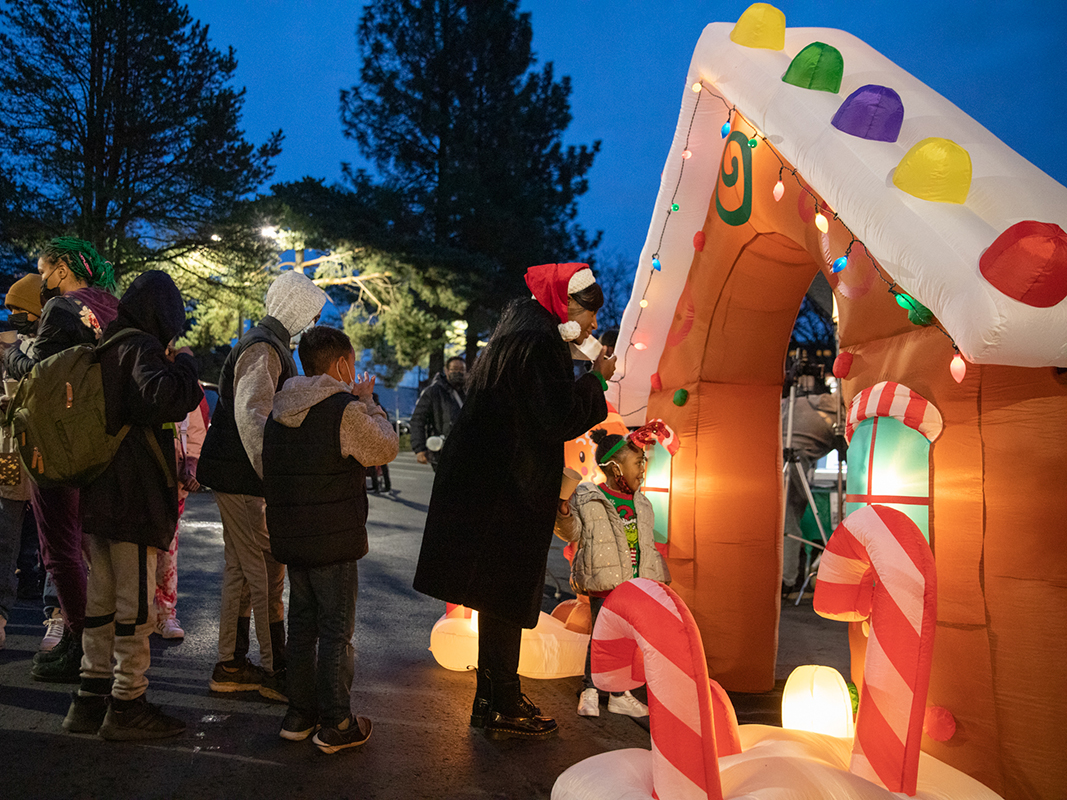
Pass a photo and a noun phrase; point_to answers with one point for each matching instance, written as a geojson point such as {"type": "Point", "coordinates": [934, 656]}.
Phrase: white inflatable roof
{"type": "Point", "coordinates": [931, 249]}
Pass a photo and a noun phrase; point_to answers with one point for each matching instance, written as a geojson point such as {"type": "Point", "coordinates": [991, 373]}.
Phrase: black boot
{"type": "Point", "coordinates": [510, 711]}
{"type": "Point", "coordinates": [240, 648]}
{"type": "Point", "coordinates": [483, 699]}
{"type": "Point", "coordinates": [65, 669]}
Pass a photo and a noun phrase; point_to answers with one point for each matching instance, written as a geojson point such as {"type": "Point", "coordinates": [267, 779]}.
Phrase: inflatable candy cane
{"type": "Point", "coordinates": [878, 565]}
{"type": "Point", "coordinates": [645, 630]}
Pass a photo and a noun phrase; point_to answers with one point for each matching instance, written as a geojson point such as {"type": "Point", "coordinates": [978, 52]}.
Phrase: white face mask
{"type": "Point", "coordinates": [351, 384]}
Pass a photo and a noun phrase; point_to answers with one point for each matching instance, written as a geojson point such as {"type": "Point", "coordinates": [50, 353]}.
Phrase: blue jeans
{"type": "Point", "coordinates": [322, 609]}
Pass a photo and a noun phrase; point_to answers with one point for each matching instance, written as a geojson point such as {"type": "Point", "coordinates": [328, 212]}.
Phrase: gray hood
{"type": "Point", "coordinates": [294, 300]}
{"type": "Point", "coordinates": [300, 393]}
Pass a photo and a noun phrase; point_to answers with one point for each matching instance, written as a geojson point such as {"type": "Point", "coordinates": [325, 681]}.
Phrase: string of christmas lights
{"type": "Point", "coordinates": [918, 314]}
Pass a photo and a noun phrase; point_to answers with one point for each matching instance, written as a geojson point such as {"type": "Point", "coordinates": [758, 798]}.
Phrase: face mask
{"type": "Point", "coordinates": [350, 384]}
{"type": "Point", "coordinates": [48, 292]}
{"type": "Point", "coordinates": [20, 322]}
{"type": "Point", "coordinates": [456, 378]}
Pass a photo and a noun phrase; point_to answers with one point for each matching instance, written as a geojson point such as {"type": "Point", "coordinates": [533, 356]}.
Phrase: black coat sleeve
{"type": "Point", "coordinates": [58, 329]}
{"type": "Point", "coordinates": [17, 363]}
{"type": "Point", "coordinates": [562, 407]}
{"type": "Point", "coordinates": [421, 418]}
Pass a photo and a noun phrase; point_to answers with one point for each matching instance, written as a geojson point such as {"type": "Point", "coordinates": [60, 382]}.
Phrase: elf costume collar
{"type": "Point", "coordinates": [552, 285]}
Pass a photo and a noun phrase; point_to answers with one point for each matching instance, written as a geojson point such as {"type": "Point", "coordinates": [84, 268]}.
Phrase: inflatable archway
{"type": "Point", "coordinates": [801, 151]}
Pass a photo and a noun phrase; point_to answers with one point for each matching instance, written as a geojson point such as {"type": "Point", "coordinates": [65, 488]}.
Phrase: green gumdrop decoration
{"type": "Point", "coordinates": [818, 66]}
{"type": "Point", "coordinates": [681, 397]}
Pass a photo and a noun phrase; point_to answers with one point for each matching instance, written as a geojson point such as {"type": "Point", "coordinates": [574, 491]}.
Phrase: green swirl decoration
{"type": "Point", "coordinates": [740, 215]}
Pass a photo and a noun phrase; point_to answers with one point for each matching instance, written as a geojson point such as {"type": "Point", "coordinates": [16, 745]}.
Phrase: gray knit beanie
{"type": "Point", "coordinates": [294, 300]}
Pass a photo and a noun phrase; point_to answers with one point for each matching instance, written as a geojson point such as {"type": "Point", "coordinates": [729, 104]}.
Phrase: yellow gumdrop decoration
{"type": "Point", "coordinates": [762, 25]}
{"type": "Point", "coordinates": [935, 169]}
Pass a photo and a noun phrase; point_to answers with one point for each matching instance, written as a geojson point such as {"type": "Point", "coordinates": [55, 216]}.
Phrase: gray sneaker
{"type": "Point", "coordinates": [237, 677]}
{"type": "Point", "coordinates": [86, 713]}
{"type": "Point", "coordinates": [138, 720]}
{"type": "Point", "coordinates": [353, 732]}
{"type": "Point", "coordinates": [273, 686]}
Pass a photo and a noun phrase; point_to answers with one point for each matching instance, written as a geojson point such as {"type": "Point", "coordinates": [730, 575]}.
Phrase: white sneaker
{"type": "Point", "coordinates": [168, 628]}
{"type": "Point", "coordinates": [589, 703]}
{"type": "Point", "coordinates": [53, 630]}
{"type": "Point", "coordinates": [627, 704]}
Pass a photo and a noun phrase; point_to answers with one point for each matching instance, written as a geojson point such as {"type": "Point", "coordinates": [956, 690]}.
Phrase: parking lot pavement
{"type": "Point", "coordinates": [422, 746]}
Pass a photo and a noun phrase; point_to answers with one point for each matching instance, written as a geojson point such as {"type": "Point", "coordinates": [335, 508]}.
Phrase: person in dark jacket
{"type": "Point", "coordinates": [493, 507]}
{"type": "Point", "coordinates": [131, 511]}
{"type": "Point", "coordinates": [77, 299]}
{"type": "Point", "coordinates": [437, 409]}
{"type": "Point", "coordinates": [324, 432]}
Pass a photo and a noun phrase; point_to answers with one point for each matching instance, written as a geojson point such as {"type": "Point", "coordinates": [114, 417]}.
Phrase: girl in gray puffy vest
{"type": "Point", "coordinates": [612, 525]}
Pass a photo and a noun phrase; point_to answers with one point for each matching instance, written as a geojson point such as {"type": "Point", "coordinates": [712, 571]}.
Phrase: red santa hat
{"type": "Point", "coordinates": [552, 285]}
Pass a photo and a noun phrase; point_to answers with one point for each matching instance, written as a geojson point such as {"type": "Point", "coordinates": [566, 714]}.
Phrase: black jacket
{"type": "Point", "coordinates": [493, 507]}
{"type": "Point", "coordinates": [435, 412]}
{"type": "Point", "coordinates": [224, 465]}
{"type": "Point", "coordinates": [316, 497]}
{"type": "Point", "coordinates": [136, 498]}
{"type": "Point", "coordinates": [68, 320]}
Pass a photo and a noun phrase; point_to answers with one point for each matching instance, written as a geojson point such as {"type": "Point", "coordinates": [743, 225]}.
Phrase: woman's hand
{"type": "Point", "coordinates": [605, 365]}
{"type": "Point", "coordinates": [564, 508]}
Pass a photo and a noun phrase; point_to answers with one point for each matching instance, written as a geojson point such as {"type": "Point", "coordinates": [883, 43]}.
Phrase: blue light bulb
{"type": "Point", "coordinates": [725, 129]}
{"type": "Point", "coordinates": [656, 265]}
{"type": "Point", "coordinates": [839, 264]}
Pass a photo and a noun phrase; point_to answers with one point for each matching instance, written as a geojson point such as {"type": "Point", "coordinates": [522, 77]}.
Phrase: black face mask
{"type": "Point", "coordinates": [48, 293]}
{"type": "Point", "coordinates": [20, 321]}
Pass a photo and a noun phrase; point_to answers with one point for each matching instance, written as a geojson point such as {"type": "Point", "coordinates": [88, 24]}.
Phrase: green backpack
{"type": "Point", "coordinates": [58, 422]}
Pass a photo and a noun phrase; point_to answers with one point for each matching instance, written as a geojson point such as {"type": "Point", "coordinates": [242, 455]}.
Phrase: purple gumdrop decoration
{"type": "Point", "coordinates": [871, 112]}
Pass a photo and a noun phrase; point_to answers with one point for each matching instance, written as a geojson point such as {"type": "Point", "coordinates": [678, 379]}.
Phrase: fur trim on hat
{"type": "Point", "coordinates": [570, 331]}
{"type": "Point", "coordinates": [582, 279]}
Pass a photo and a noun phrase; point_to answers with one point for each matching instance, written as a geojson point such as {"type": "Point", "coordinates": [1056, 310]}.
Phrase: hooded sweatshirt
{"type": "Point", "coordinates": [136, 499]}
{"type": "Point", "coordinates": [316, 446]}
{"type": "Point", "coordinates": [294, 301]}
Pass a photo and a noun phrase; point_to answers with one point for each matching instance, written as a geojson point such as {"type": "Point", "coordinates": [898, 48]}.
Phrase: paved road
{"type": "Point", "coordinates": [422, 746]}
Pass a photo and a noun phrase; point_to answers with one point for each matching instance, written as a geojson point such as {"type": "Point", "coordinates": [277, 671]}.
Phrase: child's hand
{"type": "Point", "coordinates": [363, 387]}
{"type": "Point", "coordinates": [564, 508]}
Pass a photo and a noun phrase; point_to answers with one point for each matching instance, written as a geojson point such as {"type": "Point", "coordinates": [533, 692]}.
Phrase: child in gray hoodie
{"type": "Point", "coordinates": [325, 430]}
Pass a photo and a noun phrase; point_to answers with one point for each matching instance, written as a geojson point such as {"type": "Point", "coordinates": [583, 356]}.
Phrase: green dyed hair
{"type": "Point", "coordinates": [82, 259]}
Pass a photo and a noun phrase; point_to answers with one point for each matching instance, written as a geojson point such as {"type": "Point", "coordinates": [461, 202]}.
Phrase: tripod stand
{"type": "Point", "coordinates": [792, 460]}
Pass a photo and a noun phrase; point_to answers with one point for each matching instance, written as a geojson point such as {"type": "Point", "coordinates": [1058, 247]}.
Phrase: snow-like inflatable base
{"type": "Point", "coordinates": [774, 763]}
{"type": "Point", "coordinates": [550, 650]}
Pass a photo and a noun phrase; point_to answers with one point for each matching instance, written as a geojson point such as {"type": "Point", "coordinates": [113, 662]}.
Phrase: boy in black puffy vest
{"type": "Point", "coordinates": [325, 430]}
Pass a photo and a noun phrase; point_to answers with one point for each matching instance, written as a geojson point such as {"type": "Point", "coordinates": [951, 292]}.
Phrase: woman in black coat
{"type": "Point", "coordinates": [489, 525]}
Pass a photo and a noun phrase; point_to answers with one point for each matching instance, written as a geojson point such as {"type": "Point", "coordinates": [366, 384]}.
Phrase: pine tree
{"type": "Point", "coordinates": [120, 117]}
{"type": "Point", "coordinates": [460, 125]}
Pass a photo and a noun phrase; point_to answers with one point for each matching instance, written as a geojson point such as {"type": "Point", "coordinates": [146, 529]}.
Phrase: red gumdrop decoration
{"type": "Point", "coordinates": [843, 365]}
{"type": "Point", "coordinates": [698, 241]}
{"type": "Point", "coordinates": [939, 724]}
{"type": "Point", "coordinates": [1028, 263]}
{"type": "Point", "coordinates": [657, 384]}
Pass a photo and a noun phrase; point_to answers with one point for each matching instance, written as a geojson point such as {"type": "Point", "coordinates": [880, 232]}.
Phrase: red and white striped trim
{"type": "Point", "coordinates": [878, 565]}
{"type": "Point", "coordinates": [644, 632]}
{"type": "Point", "coordinates": [889, 399]}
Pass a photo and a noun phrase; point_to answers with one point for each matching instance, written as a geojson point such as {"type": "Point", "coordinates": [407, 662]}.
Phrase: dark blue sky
{"type": "Point", "coordinates": [1005, 64]}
